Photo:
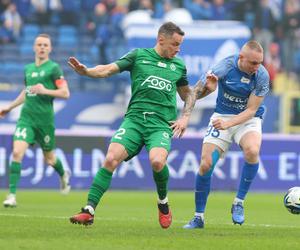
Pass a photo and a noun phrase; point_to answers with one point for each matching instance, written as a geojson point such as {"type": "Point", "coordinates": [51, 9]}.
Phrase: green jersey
{"type": "Point", "coordinates": [38, 109]}
{"type": "Point", "coordinates": [154, 80]}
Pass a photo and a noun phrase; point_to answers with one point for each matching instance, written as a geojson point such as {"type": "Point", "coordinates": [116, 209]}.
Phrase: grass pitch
{"type": "Point", "coordinates": [128, 220]}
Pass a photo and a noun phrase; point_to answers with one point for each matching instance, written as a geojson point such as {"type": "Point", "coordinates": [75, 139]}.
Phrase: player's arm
{"type": "Point", "coordinates": [99, 71]}
{"type": "Point", "coordinates": [252, 106]}
{"type": "Point", "coordinates": [210, 86]}
{"type": "Point", "coordinates": [62, 90]}
{"type": "Point", "coordinates": [189, 96]}
{"type": "Point", "coordinates": [18, 101]}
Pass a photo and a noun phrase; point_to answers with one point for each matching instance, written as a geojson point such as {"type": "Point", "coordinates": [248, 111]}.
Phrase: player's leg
{"type": "Point", "coordinates": [158, 144]}
{"type": "Point", "coordinates": [19, 149]}
{"type": "Point", "coordinates": [160, 170]}
{"type": "Point", "coordinates": [52, 160]}
{"type": "Point", "coordinates": [125, 144]}
{"type": "Point", "coordinates": [115, 155]}
{"type": "Point", "coordinates": [209, 158]}
{"type": "Point", "coordinates": [23, 137]}
{"type": "Point", "coordinates": [250, 143]}
{"type": "Point", "coordinates": [45, 136]}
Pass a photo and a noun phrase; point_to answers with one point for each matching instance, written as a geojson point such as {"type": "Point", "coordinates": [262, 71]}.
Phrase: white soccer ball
{"type": "Point", "coordinates": [292, 200]}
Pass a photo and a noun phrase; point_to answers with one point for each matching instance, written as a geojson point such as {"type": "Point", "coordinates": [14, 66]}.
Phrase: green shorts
{"type": "Point", "coordinates": [43, 135]}
{"type": "Point", "coordinates": [134, 134]}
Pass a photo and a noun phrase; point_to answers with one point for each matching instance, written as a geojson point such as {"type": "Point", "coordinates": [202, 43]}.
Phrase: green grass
{"type": "Point", "coordinates": [128, 220]}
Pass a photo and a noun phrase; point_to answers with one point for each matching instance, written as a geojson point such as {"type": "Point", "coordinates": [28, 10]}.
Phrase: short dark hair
{"type": "Point", "coordinates": [169, 28]}
{"type": "Point", "coordinates": [254, 45]}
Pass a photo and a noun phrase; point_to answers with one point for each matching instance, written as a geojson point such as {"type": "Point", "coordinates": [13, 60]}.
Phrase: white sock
{"type": "Point", "coordinates": [237, 200]}
{"type": "Point", "coordinates": [164, 201]}
{"type": "Point", "coordinates": [201, 215]}
{"type": "Point", "coordinates": [90, 208]}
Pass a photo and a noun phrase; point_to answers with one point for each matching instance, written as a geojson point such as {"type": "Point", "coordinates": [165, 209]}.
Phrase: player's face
{"type": "Point", "coordinates": [42, 47]}
{"type": "Point", "coordinates": [250, 61]}
{"type": "Point", "coordinates": [170, 45]}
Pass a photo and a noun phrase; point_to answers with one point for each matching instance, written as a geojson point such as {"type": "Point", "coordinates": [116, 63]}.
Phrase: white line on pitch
{"type": "Point", "coordinates": [138, 219]}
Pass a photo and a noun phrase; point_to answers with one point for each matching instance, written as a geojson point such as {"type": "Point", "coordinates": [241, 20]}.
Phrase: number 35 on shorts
{"type": "Point", "coordinates": [212, 131]}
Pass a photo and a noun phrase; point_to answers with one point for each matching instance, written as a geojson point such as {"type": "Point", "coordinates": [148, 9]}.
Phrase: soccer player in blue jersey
{"type": "Point", "coordinates": [243, 83]}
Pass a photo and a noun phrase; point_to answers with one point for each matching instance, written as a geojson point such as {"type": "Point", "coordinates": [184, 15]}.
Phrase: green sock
{"type": "Point", "coordinates": [100, 184]}
{"type": "Point", "coordinates": [14, 176]}
{"type": "Point", "coordinates": [161, 179]}
{"type": "Point", "coordinates": [59, 168]}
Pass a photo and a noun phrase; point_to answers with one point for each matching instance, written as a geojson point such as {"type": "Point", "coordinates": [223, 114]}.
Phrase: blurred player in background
{"type": "Point", "coordinates": [243, 83]}
{"type": "Point", "coordinates": [44, 81]}
{"type": "Point", "coordinates": [156, 75]}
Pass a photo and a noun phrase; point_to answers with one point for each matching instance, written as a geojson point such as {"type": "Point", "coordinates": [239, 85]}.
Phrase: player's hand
{"type": "Point", "coordinates": [38, 89]}
{"type": "Point", "coordinates": [3, 112]}
{"type": "Point", "coordinates": [220, 124]}
{"type": "Point", "coordinates": [80, 68]}
{"type": "Point", "coordinates": [211, 82]}
{"type": "Point", "coordinates": [179, 126]}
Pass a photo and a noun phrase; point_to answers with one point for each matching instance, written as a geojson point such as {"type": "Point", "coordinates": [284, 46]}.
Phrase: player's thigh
{"type": "Point", "coordinates": [45, 136]}
{"type": "Point", "coordinates": [19, 149]}
{"type": "Point", "coordinates": [220, 138]}
{"type": "Point", "coordinates": [249, 133]}
{"type": "Point", "coordinates": [158, 138]}
{"type": "Point", "coordinates": [24, 132]}
{"type": "Point", "coordinates": [130, 135]}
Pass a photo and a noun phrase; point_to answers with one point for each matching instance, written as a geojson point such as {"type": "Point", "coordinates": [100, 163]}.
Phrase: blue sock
{"type": "Point", "coordinates": [248, 174]}
{"type": "Point", "coordinates": [202, 191]}
{"type": "Point", "coordinates": [202, 188]}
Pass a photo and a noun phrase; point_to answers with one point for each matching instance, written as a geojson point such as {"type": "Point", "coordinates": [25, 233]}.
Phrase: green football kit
{"type": "Point", "coordinates": [36, 122]}
{"type": "Point", "coordinates": [154, 82]}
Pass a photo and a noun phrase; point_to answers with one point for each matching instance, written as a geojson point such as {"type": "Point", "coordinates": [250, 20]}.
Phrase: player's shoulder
{"type": "Point", "coordinates": [262, 72]}
{"type": "Point", "coordinates": [29, 65]}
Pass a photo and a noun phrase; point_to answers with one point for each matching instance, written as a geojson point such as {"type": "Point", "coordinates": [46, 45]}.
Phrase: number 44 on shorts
{"type": "Point", "coordinates": [21, 133]}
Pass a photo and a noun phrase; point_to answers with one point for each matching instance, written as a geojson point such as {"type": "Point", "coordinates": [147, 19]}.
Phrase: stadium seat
{"type": "Point", "coordinates": [172, 16]}
{"type": "Point", "coordinates": [31, 30]}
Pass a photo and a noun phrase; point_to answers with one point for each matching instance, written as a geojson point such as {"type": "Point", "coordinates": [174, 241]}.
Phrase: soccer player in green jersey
{"type": "Point", "coordinates": [156, 76]}
{"type": "Point", "coordinates": [44, 81]}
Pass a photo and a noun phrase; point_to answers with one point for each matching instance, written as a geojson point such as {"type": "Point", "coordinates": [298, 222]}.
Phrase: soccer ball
{"type": "Point", "coordinates": [292, 200]}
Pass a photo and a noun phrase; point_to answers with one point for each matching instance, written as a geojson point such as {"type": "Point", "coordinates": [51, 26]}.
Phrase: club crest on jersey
{"type": "Point", "coordinates": [172, 67]}
{"type": "Point", "coordinates": [161, 64]}
{"type": "Point", "coordinates": [245, 80]}
{"type": "Point", "coordinates": [42, 73]}
{"type": "Point", "coordinates": [159, 83]}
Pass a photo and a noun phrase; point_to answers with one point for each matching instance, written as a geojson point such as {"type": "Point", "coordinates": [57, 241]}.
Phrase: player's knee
{"type": "Point", "coordinates": [251, 153]}
{"type": "Point", "coordinates": [17, 155]}
{"type": "Point", "coordinates": [110, 161]}
{"type": "Point", "coordinates": [157, 164]}
{"type": "Point", "coordinates": [50, 161]}
{"type": "Point", "coordinates": [205, 166]}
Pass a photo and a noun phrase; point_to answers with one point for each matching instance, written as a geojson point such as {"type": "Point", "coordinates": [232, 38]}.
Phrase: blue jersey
{"type": "Point", "coordinates": [235, 86]}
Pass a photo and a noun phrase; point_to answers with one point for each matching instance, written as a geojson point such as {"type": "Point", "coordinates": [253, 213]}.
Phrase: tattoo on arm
{"type": "Point", "coordinates": [190, 101]}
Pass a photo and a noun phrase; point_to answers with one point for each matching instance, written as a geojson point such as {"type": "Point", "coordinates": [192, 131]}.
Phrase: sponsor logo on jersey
{"type": "Point", "coordinates": [28, 91]}
{"type": "Point", "coordinates": [161, 64]}
{"type": "Point", "coordinates": [234, 98]}
{"type": "Point", "coordinates": [34, 74]}
{"type": "Point", "coordinates": [156, 82]}
{"type": "Point", "coordinates": [245, 80]}
{"type": "Point", "coordinates": [172, 67]}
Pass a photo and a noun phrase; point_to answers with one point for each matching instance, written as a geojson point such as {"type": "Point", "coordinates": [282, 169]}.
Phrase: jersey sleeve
{"type": "Point", "coordinates": [183, 80]}
{"type": "Point", "coordinates": [126, 62]}
{"type": "Point", "coordinates": [57, 73]}
{"type": "Point", "coordinates": [220, 70]}
{"type": "Point", "coordinates": [262, 84]}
